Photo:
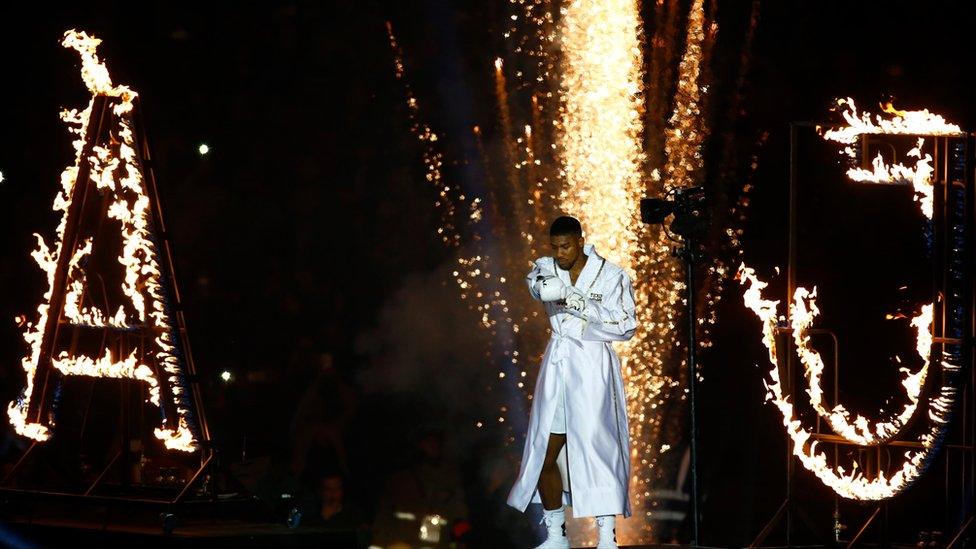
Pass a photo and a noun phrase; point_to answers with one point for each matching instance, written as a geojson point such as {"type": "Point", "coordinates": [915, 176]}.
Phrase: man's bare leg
{"type": "Point", "coordinates": [550, 481]}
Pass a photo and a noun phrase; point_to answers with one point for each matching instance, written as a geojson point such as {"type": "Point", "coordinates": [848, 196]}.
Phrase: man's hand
{"type": "Point", "coordinates": [576, 301]}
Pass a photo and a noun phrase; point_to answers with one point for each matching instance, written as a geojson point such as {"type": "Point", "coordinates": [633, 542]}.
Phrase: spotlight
{"type": "Point", "coordinates": [203, 149]}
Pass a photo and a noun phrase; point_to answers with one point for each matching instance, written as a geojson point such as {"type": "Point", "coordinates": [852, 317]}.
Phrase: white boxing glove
{"type": "Point", "coordinates": [552, 288]}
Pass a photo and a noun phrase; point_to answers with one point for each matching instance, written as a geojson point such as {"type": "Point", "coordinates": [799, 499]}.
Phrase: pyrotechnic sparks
{"type": "Point", "coordinates": [120, 175]}
{"type": "Point", "coordinates": [512, 164]}
{"type": "Point", "coordinates": [686, 130]}
{"type": "Point", "coordinates": [582, 150]}
{"type": "Point", "coordinates": [432, 157]}
{"type": "Point", "coordinates": [476, 271]}
{"type": "Point", "coordinates": [600, 127]}
{"type": "Point", "coordinates": [601, 157]}
{"type": "Point", "coordinates": [532, 33]}
{"type": "Point", "coordinates": [600, 147]}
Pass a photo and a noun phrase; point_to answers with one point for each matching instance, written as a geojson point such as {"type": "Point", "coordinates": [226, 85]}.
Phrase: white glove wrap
{"type": "Point", "coordinates": [576, 302]}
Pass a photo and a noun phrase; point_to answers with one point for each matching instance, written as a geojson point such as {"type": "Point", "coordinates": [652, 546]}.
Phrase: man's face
{"type": "Point", "coordinates": [567, 249]}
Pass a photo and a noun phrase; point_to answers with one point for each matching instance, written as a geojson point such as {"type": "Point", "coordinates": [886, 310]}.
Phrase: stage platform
{"type": "Point", "coordinates": [218, 534]}
{"type": "Point", "coordinates": [225, 533]}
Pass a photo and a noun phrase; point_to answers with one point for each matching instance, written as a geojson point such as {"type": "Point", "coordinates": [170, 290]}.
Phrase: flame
{"type": "Point", "coordinates": [803, 311]}
{"type": "Point", "coordinates": [852, 485]}
{"type": "Point", "coordinates": [105, 366]}
{"type": "Point", "coordinates": [802, 314]}
{"type": "Point", "coordinates": [889, 108]}
{"type": "Point", "coordinates": [130, 206]}
{"type": "Point", "coordinates": [920, 122]}
{"type": "Point", "coordinates": [902, 123]}
{"type": "Point", "coordinates": [920, 177]}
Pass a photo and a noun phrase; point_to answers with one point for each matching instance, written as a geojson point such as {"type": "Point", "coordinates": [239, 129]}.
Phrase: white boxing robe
{"type": "Point", "coordinates": [580, 359]}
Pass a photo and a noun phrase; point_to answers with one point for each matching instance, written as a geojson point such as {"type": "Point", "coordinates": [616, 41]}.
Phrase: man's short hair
{"type": "Point", "coordinates": [566, 225]}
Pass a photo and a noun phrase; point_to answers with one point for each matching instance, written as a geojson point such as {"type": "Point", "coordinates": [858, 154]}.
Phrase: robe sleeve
{"type": "Point", "coordinates": [614, 318]}
{"type": "Point", "coordinates": [543, 268]}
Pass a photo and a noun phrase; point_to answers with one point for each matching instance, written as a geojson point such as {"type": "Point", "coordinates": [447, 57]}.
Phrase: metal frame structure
{"type": "Point", "coordinates": [950, 182]}
{"type": "Point", "coordinates": [85, 206]}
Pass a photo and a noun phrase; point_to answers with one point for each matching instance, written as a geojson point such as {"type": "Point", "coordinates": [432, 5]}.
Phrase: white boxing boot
{"type": "Point", "coordinates": [555, 520]}
{"type": "Point", "coordinates": [608, 532]}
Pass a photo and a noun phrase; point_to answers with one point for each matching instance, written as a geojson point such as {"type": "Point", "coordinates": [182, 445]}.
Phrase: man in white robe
{"type": "Point", "coordinates": [579, 412]}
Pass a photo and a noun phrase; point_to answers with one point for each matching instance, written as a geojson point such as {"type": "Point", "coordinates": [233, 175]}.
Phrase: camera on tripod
{"type": "Point", "coordinates": [686, 204]}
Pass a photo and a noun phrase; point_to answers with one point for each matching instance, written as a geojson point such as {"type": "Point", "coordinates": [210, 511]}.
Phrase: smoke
{"type": "Point", "coordinates": [430, 348]}
{"type": "Point", "coordinates": [427, 344]}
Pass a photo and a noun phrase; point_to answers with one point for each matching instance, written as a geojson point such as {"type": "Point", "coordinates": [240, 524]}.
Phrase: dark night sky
{"type": "Point", "coordinates": [310, 211]}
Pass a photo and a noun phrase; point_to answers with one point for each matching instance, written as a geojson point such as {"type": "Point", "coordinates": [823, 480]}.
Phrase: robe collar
{"type": "Point", "coordinates": [589, 272]}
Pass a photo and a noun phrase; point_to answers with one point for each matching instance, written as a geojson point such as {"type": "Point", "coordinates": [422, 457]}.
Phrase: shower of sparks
{"type": "Point", "coordinates": [531, 34]}
{"type": "Point", "coordinates": [512, 164]}
{"type": "Point", "coordinates": [476, 273]}
{"type": "Point", "coordinates": [120, 175]}
{"type": "Point", "coordinates": [573, 81]}
{"type": "Point", "coordinates": [602, 160]}
{"type": "Point", "coordinates": [657, 369]}
{"type": "Point", "coordinates": [686, 130]}
{"type": "Point", "coordinates": [600, 125]}
{"type": "Point", "coordinates": [601, 155]}
{"type": "Point", "coordinates": [447, 198]}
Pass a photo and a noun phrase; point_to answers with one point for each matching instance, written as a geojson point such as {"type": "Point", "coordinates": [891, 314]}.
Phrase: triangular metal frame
{"type": "Point", "coordinates": [85, 204]}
